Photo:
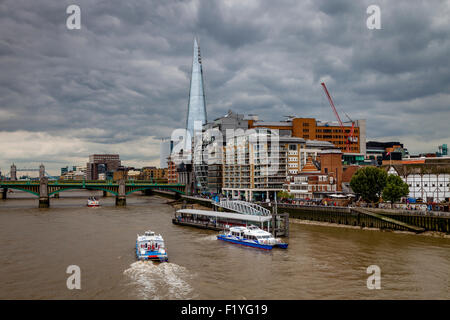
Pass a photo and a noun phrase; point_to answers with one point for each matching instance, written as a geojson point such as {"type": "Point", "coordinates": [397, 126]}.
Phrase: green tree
{"type": "Point", "coordinates": [369, 183]}
{"type": "Point", "coordinates": [395, 189]}
{"type": "Point", "coordinates": [284, 195]}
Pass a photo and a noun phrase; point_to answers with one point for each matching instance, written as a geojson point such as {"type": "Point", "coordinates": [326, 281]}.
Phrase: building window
{"type": "Point", "coordinates": [293, 147]}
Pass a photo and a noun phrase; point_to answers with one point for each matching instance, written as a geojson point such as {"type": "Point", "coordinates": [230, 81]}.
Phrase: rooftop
{"type": "Point", "coordinates": [227, 215]}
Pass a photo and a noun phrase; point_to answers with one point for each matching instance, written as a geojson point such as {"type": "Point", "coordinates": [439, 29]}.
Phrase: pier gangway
{"type": "Point", "coordinates": [243, 207]}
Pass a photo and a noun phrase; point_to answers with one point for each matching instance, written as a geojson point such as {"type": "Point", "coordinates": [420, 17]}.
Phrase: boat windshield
{"type": "Point", "coordinates": [151, 245]}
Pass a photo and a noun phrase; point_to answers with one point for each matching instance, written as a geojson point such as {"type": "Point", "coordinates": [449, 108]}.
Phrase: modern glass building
{"type": "Point", "coordinates": [197, 105]}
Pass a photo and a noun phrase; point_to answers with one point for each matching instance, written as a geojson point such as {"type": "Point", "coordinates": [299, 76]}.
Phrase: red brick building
{"type": "Point", "coordinates": [172, 174]}
{"type": "Point", "coordinates": [316, 180]}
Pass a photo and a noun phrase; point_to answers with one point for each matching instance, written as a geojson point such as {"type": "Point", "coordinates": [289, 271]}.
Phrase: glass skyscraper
{"type": "Point", "coordinates": [197, 105]}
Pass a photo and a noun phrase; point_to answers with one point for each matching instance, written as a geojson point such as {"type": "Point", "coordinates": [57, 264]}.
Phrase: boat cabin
{"type": "Point", "coordinates": [150, 241]}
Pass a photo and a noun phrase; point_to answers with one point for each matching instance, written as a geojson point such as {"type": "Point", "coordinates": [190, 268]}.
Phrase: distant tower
{"type": "Point", "coordinates": [41, 171]}
{"type": "Point", "coordinates": [443, 150]}
{"type": "Point", "coordinates": [164, 151]}
{"type": "Point", "coordinates": [13, 172]}
{"type": "Point", "coordinates": [197, 104]}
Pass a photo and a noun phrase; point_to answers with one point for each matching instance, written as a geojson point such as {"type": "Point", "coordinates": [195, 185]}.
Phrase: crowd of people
{"type": "Point", "coordinates": [345, 202]}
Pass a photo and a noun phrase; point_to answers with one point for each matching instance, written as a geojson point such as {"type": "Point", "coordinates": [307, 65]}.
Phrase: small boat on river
{"type": "Point", "coordinates": [93, 202]}
{"type": "Point", "coordinates": [151, 247]}
{"type": "Point", "coordinates": [251, 236]}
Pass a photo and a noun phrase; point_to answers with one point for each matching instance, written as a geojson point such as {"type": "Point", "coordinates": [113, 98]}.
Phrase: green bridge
{"type": "Point", "coordinates": [44, 188]}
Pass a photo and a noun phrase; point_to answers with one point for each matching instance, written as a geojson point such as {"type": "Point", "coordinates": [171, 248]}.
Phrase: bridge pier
{"type": "Point", "coordinates": [121, 201]}
{"type": "Point", "coordinates": [44, 200]}
{"type": "Point", "coordinates": [148, 192]}
{"type": "Point", "coordinates": [4, 193]}
{"type": "Point", "coordinates": [121, 198]}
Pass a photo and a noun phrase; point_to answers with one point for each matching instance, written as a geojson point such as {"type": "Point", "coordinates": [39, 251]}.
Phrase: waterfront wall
{"type": "Point", "coordinates": [429, 223]}
{"type": "Point", "coordinates": [348, 216]}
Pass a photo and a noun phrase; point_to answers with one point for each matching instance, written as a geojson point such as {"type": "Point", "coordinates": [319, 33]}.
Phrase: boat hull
{"type": "Point", "coordinates": [245, 243]}
{"type": "Point", "coordinates": [282, 245]}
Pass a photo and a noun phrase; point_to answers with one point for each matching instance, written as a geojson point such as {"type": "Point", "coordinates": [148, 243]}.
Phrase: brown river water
{"type": "Point", "coordinates": [37, 246]}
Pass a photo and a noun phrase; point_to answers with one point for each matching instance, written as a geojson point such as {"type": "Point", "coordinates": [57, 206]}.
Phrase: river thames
{"type": "Point", "coordinates": [37, 246]}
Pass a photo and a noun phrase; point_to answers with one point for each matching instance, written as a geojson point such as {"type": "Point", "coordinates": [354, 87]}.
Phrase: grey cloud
{"type": "Point", "coordinates": [125, 74]}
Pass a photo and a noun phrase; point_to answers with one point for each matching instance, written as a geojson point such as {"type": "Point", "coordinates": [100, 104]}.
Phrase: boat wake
{"type": "Point", "coordinates": [212, 237]}
{"type": "Point", "coordinates": [160, 281]}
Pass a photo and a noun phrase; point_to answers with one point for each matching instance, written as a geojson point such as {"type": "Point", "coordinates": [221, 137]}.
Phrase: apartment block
{"type": "Point", "coordinates": [312, 129]}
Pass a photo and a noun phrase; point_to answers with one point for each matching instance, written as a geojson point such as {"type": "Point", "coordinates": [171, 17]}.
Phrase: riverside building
{"type": "Point", "coordinates": [258, 162]}
{"type": "Point", "coordinates": [378, 153]}
{"type": "Point", "coordinates": [172, 173]}
{"type": "Point", "coordinates": [428, 179]}
{"type": "Point", "coordinates": [319, 178]}
{"type": "Point", "coordinates": [209, 151]}
{"type": "Point", "coordinates": [329, 131]}
{"type": "Point", "coordinates": [255, 165]}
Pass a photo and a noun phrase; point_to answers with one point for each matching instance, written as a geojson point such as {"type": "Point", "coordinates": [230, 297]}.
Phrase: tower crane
{"type": "Point", "coordinates": [350, 138]}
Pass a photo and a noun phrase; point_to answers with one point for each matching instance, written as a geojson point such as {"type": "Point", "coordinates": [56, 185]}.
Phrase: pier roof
{"type": "Point", "coordinates": [226, 215]}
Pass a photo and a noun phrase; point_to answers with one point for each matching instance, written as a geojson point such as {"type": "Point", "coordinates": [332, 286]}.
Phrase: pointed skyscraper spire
{"type": "Point", "coordinates": [197, 104]}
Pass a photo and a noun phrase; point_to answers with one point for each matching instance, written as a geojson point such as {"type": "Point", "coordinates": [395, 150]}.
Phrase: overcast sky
{"type": "Point", "coordinates": [122, 81]}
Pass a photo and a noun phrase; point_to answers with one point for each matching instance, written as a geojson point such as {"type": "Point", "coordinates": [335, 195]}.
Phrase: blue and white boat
{"type": "Point", "coordinates": [251, 236]}
{"type": "Point", "coordinates": [151, 247]}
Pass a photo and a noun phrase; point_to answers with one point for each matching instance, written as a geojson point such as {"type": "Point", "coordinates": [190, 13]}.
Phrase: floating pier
{"type": "Point", "coordinates": [244, 214]}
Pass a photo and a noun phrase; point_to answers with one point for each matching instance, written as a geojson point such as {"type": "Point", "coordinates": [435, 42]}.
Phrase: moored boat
{"type": "Point", "coordinates": [251, 236]}
{"type": "Point", "coordinates": [151, 247]}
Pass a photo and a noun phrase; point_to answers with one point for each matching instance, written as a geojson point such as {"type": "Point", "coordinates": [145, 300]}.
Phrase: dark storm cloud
{"type": "Point", "coordinates": [125, 74]}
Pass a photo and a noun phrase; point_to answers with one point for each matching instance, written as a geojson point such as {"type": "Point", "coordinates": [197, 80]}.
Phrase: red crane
{"type": "Point", "coordinates": [350, 135]}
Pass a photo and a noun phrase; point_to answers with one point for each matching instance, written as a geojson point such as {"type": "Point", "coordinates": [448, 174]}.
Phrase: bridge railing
{"type": "Point", "coordinates": [91, 182]}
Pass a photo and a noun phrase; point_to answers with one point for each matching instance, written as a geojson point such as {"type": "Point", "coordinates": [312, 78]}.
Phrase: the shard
{"type": "Point", "coordinates": [197, 106]}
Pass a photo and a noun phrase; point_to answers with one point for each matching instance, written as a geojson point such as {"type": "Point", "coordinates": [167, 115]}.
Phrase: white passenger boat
{"type": "Point", "coordinates": [93, 202]}
{"type": "Point", "coordinates": [151, 247]}
{"type": "Point", "coordinates": [251, 236]}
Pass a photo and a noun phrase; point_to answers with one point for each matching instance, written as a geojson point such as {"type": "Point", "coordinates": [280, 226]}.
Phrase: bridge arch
{"type": "Point", "coordinates": [81, 188]}
{"type": "Point", "coordinates": [154, 187]}
{"type": "Point", "coordinates": [22, 189]}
